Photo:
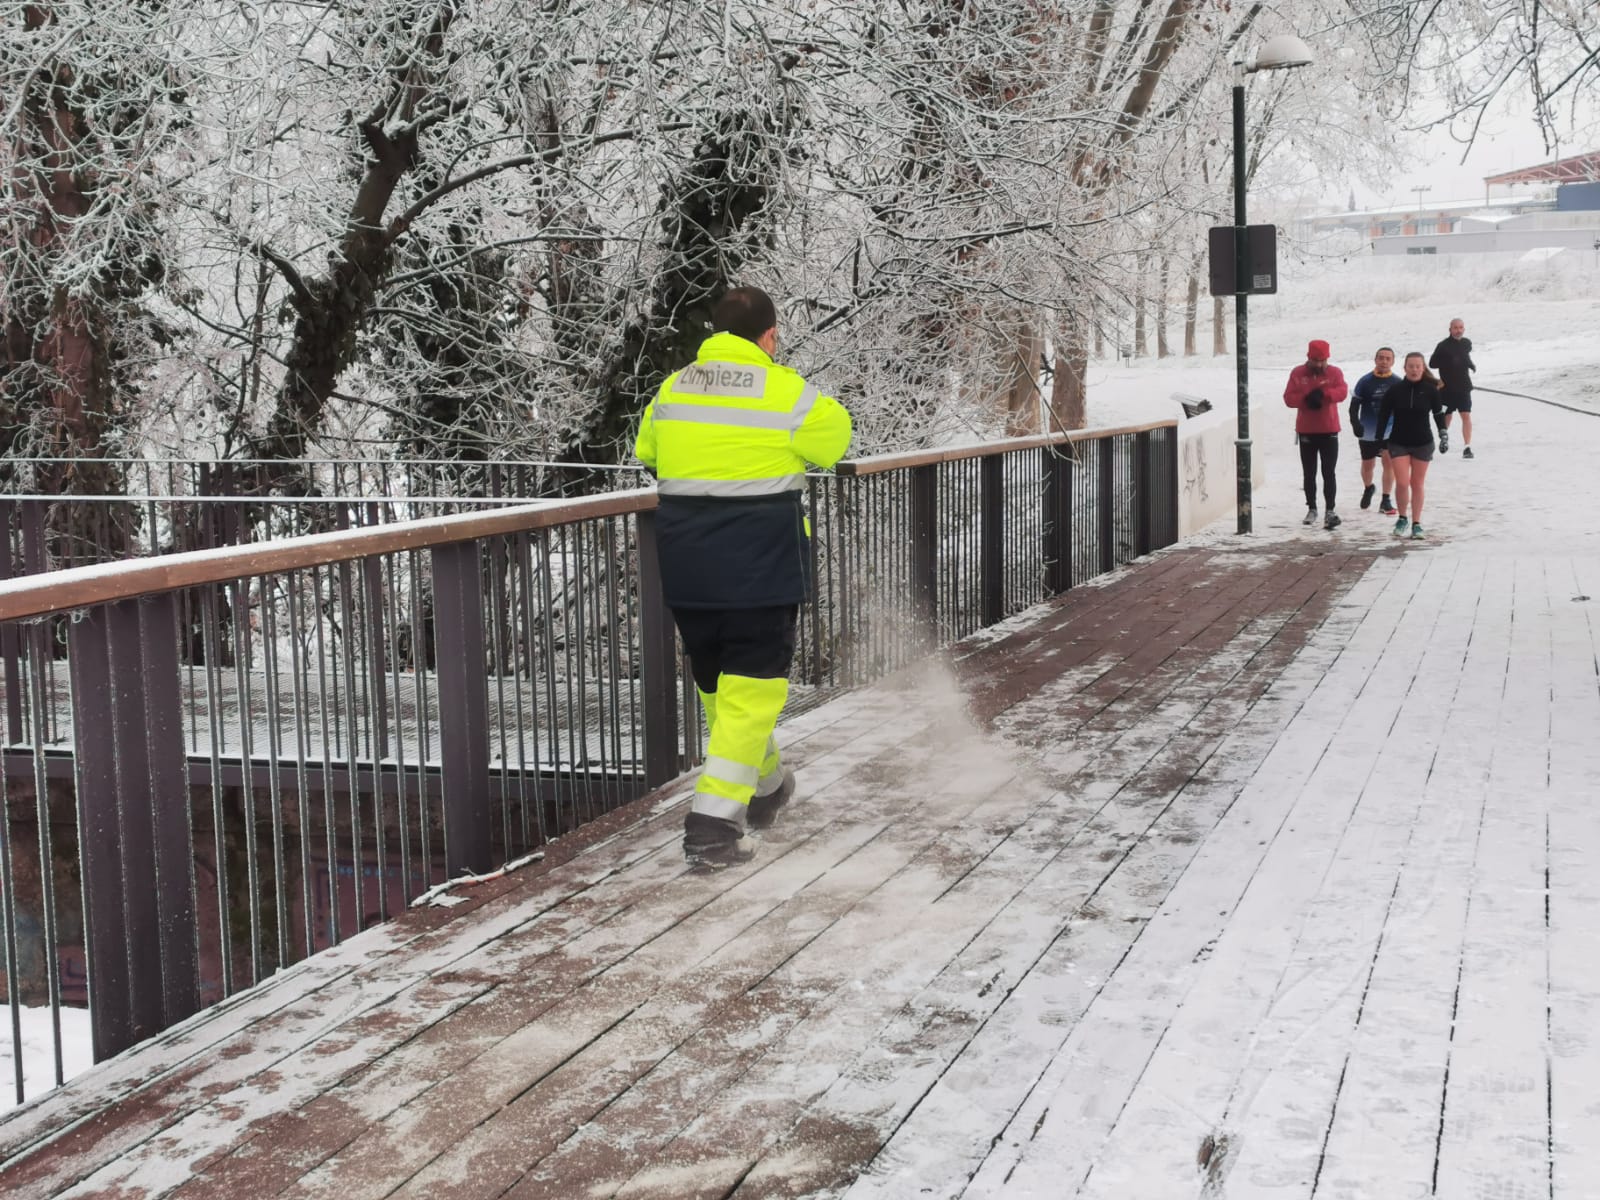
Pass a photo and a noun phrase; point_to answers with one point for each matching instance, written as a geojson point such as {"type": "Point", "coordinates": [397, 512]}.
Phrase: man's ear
{"type": "Point", "coordinates": [768, 341]}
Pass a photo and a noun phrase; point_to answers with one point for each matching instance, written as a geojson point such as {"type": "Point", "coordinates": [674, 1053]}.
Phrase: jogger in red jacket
{"type": "Point", "coordinates": [1316, 391]}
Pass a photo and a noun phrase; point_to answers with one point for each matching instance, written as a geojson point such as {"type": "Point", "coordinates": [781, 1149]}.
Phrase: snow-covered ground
{"type": "Point", "coordinates": [1535, 329]}
{"type": "Point", "coordinates": [38, 1050]}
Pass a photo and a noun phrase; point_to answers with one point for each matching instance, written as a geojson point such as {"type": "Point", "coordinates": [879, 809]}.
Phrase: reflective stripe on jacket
{"type": "Point", "coordinates": [729, 438]}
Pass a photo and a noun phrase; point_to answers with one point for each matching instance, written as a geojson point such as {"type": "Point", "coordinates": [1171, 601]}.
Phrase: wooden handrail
{"type": "Point", "coordinates": [877, 464]}
{"type": "Point", "coordinates": [100, 583]}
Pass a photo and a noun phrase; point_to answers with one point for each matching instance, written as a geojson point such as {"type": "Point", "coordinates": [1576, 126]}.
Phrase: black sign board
{"type": "Point", "coordinates": [1261, 260]}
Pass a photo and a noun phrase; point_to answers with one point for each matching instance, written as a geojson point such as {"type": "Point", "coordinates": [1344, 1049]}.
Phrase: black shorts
{"type": "Point", "coordinates": [1458, 403]}
{"type": "Point", "coordinates": [1369, 450]}
{"type": "Point", "coordinates": [1422, 453]}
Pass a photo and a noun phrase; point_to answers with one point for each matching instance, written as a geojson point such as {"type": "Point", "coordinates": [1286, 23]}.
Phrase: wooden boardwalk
{"type": "Point", "coordinates": [1263, 871]}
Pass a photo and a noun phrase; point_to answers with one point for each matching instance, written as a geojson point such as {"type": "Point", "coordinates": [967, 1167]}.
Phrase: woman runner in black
{"type": "Point", "coordinates": [1414, 403]}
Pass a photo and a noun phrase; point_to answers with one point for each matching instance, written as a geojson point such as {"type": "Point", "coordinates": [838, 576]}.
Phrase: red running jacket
{"type": "Point", "coordinates": [1334, 392]}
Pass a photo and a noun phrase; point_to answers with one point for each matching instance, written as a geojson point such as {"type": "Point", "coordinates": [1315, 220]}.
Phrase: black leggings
{"type": "Point", "coordinates": [1326, 447]}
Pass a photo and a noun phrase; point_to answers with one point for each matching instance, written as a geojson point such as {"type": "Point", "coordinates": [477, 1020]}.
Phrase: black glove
{"type": "Point", "coordinates": [1314, 398]}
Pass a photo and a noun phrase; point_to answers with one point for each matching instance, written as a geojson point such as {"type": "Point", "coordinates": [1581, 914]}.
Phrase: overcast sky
{"type": "Point", "coordinates": [1507, 140]}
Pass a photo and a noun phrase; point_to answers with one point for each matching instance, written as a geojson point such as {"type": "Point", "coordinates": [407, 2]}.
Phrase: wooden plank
{"type": "Point", "coordinates": [546, 949]}
{"type": "Point", "coordinates": [1574, 882]}
{"type": "Point", "coordinates": [1290, 1087]}
{"type": "Point", "coordinates": [1495, 1133]}
{"type": "Point", "coordinates": [1384, 1128]}
{"type": "Point", "coordinates": [1058, 1136]}
{"type": "Point", "coordinates": [856, 1105]}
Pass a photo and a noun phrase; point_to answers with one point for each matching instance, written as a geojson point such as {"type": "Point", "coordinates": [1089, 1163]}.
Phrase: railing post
{"type": "Point", "coordinates": [1174, 487]}
{"type": "Point", "coordinates": [1106, 504]}
{"type": "Point", "coordinates": [1057, 519]}
{"type": "Point", "coordinates": [463, 707]}
{"type": "Point", "coordinates": [924, 544]}
{"type": "Point", "coordinates": [1143, 486]}
{"type": "Point", "coordinates": [658, 666]}
{"type": "Point", "coordinates": [10, 638]}
{"type": "Point", "coordinates": [135, 836]}
{"type": "Point", "coordinates": [991, 538]}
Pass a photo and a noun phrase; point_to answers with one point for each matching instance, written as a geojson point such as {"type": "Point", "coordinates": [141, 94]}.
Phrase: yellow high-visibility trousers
{"type": "Point", "coordinates": [741, 753]}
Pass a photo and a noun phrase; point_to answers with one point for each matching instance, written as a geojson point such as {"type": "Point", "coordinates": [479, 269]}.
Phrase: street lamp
{"type": "Point", "coordinates": [1276, 54]}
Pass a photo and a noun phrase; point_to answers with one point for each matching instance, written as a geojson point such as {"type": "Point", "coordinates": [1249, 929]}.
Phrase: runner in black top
{"type": "Point", "coordinates": [1452, 358]}
{"type": "Point", "coordinates": [1410, 402]}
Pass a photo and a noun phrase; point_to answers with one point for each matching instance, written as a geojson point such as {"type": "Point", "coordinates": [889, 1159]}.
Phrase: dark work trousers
{"type": "Point", "coordinates": [1326, 447]}
{"type": "Point", "coordinates": [754, 642]}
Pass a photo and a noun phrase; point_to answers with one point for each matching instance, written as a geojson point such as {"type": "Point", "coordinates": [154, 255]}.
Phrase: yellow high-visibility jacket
{"type": "Point", "coordinates": [729, 438]}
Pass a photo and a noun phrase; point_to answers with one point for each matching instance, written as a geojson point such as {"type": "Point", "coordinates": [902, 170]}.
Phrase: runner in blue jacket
{"type": "Point", "coordinates": [1364, 403]}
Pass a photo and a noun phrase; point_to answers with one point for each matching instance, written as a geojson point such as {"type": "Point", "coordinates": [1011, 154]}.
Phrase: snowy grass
{"type": "Point", "coordinates": [1391, 281]}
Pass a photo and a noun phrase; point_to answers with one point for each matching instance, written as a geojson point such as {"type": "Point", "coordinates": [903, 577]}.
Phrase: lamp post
{"type": "Point", "coordinates": [1276, 54]}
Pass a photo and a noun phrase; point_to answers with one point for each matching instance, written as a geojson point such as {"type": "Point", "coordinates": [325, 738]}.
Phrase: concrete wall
{"type": "Point", "coordinates": [1207, 463]}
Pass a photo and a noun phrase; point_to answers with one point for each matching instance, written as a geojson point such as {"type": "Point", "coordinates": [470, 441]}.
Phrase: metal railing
{"type": "Point", "coordinates": [219, 762]}
{"type": "Point", "coordinates": [170, 506]}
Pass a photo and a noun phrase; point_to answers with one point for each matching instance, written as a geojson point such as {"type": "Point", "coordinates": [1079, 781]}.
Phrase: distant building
{"type": "Point", "coordinates": [1551, 206]}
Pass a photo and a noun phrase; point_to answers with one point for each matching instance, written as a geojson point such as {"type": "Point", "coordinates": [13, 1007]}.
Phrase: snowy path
{"type": "Point", "coordinates": [1259, 869]}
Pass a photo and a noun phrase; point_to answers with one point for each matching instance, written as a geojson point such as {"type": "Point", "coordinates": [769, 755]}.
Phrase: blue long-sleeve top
{"type": "Point", "coordinates": [1365, 401]}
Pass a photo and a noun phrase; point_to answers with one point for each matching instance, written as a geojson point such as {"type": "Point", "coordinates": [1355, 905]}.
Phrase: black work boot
{"type": "Point", "coordinates": [764, 809]}
{"type": "Point", "coordinates": [710, 842]}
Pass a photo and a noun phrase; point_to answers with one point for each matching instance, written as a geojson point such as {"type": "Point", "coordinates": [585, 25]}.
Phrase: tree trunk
{"type": "Point", "coordinates": [1162, 349]}
{"type": "Point", "coordinates": [330, 310]}
{"type": "Point", "coordinates": [1068, 407]}
{"type": "Point", "coordinates": [1191, 310]}
{"type": "Point", "coordinates": [1022, 389]}
{"type": "Point", "coordinates": [1141, 340]}
{"type": "Point", "coordinates": [1219, 326]}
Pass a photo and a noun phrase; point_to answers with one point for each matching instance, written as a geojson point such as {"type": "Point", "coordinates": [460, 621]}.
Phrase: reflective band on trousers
{"type": "Point", "coordinates": [718, 414]}
{"type": "Point", "coordinates": [731, 487]}
{"type": "Point", "coordinates": [730, 771]}
{"type": "Point", "coordinates": [720, 807]}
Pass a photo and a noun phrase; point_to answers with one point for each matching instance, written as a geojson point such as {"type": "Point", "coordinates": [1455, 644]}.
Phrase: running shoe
{"type": "Point", "coordinates": [1332, 520]}
{"type": "Point", "coordinates": [1386, 506]}
{"type": "Point", "coordinates": [1444, 441]}
{"type": "Point", "coordinates": [1366, 495]}
{"type": "Point", "coordinates": [1416, 533]}
{"type": "Point", "coordinates": [1310, 517]}
{"type": "Point", "coordinates": [1466, 452]}
{"type": "Point", "coordinates": [1400, 526]}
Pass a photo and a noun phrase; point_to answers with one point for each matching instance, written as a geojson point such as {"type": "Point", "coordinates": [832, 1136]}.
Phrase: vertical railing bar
{"type": "Point", "coordinates": [565, 532]}
{"type": "Point", "coordinates": [269, 655]}
{"type": "Point", "coordinates": [527, 667]}
{"type": "Point", "coordinates": [552, 705]}
{"type": "Point", "coordinates": [421, 657]}
{"type": "Point", "coordinates": [8, 889]}
{"type": "Point", "coordinates": [630, 530]}
{"type": "Point", "coordinates": [37, 634]}
{"type": "Point", "coordinates": [302, 750]}
{"type": "Point", "coordinates": [351, 741]}
{"type": "Point", "coordinates": [497, 642]}
{"type": "Point", "coordinates": [241, 665]}
{"type": "Point", "coordinates": [613, 622]}
{"type": "Point", "coordinates": [397, 716]}
{"type": "Point", "coordinates": [368, 594]}
{"type": "Point", "coordinates": [209, 628]}
{"type": "Point", "coordinates": [330, 814]}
